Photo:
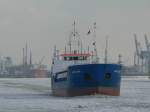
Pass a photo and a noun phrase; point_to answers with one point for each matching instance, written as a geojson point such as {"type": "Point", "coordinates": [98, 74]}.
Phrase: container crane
{"type": "Point", "coordinates": [147, 43]}
{"type": "Point", "coordinates": [148, 53]}
{"type": "Point", "coordinates": [138, 48]}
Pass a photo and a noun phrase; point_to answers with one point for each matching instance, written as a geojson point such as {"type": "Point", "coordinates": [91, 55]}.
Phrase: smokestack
{"type": "Point", "coordinates": [26, 54]}
{"type": "Point", "coordinates": [23, 60]}
{"type": "Point", "coordinates": [30, 57]}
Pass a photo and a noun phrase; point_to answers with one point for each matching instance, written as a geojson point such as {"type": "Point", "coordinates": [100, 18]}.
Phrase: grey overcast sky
{"type": "Point", "coordinates": [44, 23]}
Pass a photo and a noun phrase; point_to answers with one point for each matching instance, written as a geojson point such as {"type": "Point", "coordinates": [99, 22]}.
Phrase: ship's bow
{"type": "Point", "coordinates": [94, 79]}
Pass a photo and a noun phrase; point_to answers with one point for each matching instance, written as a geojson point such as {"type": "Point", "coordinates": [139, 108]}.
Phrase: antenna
{"type": "Point", "coordinates": [70, 43]}
{"type": "Point", "coordinates": [65, 50]}
{"type": "Point", "coordinates": [119, 59]}
{"type": "Point", "coordinates": [74, 30]}
{"type": "Point", "coordinates": [106, 50]}
{"type": "Point", "coordinates": [55, 49]}
{"type": "Point", "coordinates": [88, 49]}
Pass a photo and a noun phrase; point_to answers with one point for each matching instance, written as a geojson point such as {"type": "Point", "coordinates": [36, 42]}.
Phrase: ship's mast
{"type": "Point", "coordinates": [70, 38]}
{"type": "Point", "coordinates": [70, 43]}
{"type": "Point", "coordinates": [94, 43]}
{"type": "Point", "coordinates": [119, 59]}
{"type": "Point", "coordinates": [106, 51]}
{"type": "Point", "coordinates": [55, 50]}
{"type": "Point", "coordinates": [74, 30]}
{"type": "Point", "coordinates": [74, 41]}
{"type": "Point", "coordinates": [74, 33]}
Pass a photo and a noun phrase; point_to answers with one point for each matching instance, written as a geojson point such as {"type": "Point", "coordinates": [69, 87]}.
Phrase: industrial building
{"type": "Point", "coordinates": [25, 70]}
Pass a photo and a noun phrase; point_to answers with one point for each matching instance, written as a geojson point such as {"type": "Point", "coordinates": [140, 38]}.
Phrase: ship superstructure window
{"type": "Point", "coordinates": [75, 57]}
{"type": "Point", "coordinates": [65, 58]}
{"type": "Point", "coordinates": [70, 58]}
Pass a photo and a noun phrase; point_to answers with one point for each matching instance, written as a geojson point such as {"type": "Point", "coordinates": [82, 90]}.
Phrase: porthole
{"type": "Point", "coordinates": [87, 76]}
{"type": "Point", "coordinates": [107, 76]}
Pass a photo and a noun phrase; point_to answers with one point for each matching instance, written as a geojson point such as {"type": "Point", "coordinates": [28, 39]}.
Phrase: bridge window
{"type": "Point", "coordinates": [75, 58]}
{"type": "Point", "coordinates": [70, 58]}
{"type": "Point", "coordinates": [65, 58]}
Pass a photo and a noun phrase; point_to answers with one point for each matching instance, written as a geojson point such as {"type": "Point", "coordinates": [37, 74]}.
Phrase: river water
{"type": "Point", "coordinates": [34, 95]}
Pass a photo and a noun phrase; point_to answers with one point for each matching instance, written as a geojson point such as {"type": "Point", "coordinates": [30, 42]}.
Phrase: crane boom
{"type": "Point", "coordinates": [41, 60]}
{"type": "Point", "coordinates": [136, 45]}
{"type": "Point", "coordinates": [146, 42]}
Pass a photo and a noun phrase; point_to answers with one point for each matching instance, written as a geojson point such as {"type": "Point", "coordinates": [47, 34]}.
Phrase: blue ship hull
{"type": "Point", "coordinates": [87, 79]}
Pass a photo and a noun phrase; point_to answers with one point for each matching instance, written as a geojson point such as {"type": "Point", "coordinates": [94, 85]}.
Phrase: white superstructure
{"type": "Point", "coordinates": [74, 53]}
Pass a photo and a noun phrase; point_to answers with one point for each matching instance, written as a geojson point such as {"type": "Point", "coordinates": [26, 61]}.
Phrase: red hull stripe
{"type": "Point", "coordinates": [87, 91]}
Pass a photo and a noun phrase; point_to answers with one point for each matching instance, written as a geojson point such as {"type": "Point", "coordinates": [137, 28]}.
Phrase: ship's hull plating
{"type": "Point", "coordinates": [88, 79]}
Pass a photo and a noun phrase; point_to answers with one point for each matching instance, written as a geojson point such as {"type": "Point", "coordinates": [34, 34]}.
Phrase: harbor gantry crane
{"type": "Point", "coordinates": [142, 57]}
{"type": "Point", "coordinates": [147, 43]}
{"type": "Point", "coordinates": [147, 55]}
{"type": "Point", "coordinates": [138, 51]}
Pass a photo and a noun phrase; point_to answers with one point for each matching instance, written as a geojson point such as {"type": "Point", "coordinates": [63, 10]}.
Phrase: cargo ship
{"type": "Point", "coordinates": [76, 72]}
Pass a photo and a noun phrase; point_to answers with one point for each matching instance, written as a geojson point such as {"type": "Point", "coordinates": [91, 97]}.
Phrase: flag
{"type": "Point", "coordinates": [94, 25]}
{"type": "Point", "coordinates": [88, 32]}
{"type": "Point", "coordinates": [94, 43]}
